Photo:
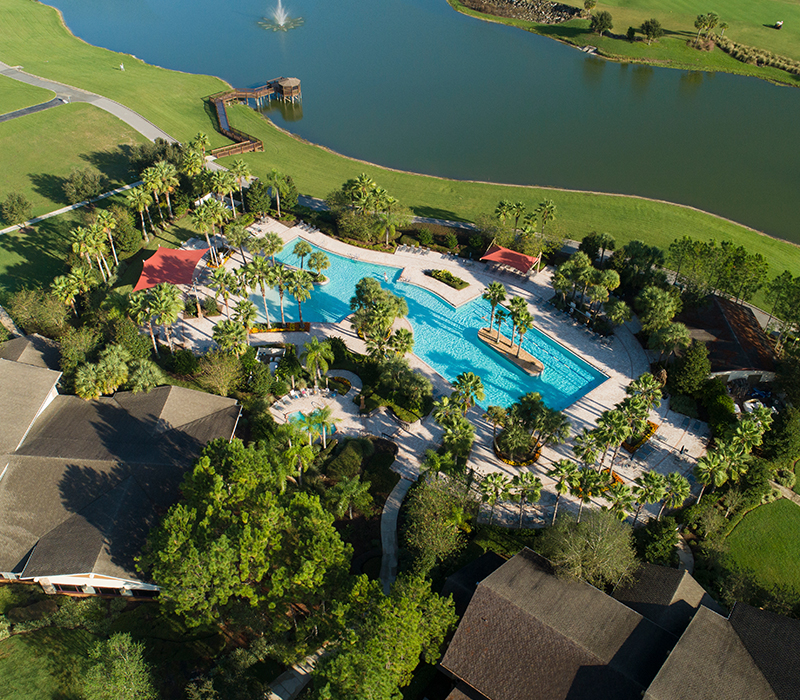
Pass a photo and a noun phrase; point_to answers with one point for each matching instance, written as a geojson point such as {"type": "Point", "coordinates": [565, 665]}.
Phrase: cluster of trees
{"type": "Point", "coordinates": [525, 238]}
{"type": "Point", "coordinates": [517, 312]}
{"type": "Point", "coordinates": [365, 211]}
{"type": "Point", "coordinates": [450, 412]}
{"type": "Point", "coordinates": [584, 282]}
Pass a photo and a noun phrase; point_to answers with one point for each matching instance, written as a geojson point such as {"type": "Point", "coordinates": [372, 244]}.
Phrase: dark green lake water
{"type": "Point", "coordinates": [414, 85]}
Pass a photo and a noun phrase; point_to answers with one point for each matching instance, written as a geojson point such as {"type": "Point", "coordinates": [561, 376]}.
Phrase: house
{"type": "Point", "coordinates": [528, 634]}
{"type": "Point", "coordinates": [82, 482]}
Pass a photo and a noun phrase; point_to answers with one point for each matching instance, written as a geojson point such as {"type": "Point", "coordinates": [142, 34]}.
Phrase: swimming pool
{"type": "Point", "coordinates": [447, 338]}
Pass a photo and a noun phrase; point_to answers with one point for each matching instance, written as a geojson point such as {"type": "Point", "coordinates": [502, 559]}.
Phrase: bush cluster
{"type": "Point", "coordinates": [757, 57]}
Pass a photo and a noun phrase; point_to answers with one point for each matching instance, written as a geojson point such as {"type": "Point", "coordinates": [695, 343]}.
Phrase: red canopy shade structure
{"type": "Point", "coordinates": [504, 256]}
{"type": "Point", "coordinates": [169, 265]}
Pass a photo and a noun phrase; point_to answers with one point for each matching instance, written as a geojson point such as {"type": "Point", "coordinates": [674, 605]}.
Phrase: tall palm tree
{"type": "Point", "coordinates": [710, 469]}
{"type": "Point", "coordinates": [348, 494]}
{"type": "Point", "coordinates": [524, 324]}
{"type": "Point", "coordinates": [618, 312]}
{"type": "Point", "coordinates": [401, 342]}
{"type": "Point", "coordinates": [168, 178]}
{"type": "Point", "coordinates": [517, 307]}
{"type": "Point", "coordinates": [503, 210]}
{"type": "Point", "coordinates": [500, 317]}
{"type": "Point", "coordinates": [301, 249]}
{"type": "Point", "coordinates": [152, 183]}
{"type": "Point", "coordinates": [676, 493]}
{"type": "Point", "coordinates": [278, 184]}
{"type": "Point", "coordinates": [222, 282]}
{"type": "Point", "coordinates": [65, 289]}
{"type": "Point", "coordinates": [526, 488]}
{"type": "Point", "coordinates": [261, 273]}
{"type": "Point", "coordinates": [493, 488]}
{"type": "Point", "coordinates": [82, 244]}
{"type": "Point", "coordinates": [586, 486]}
{"type": "Point", "coordinates": [495, 294]}
{"type": "Point", "coordinates": [648, 387]}
{"type": "Point", "coordinates": [300, 287]}
{"type": "Point", "coordinates": [651, 488]}
{"type": "Point", "coordinates": [621, 499]}
{"type": "Point", "coordinates": [140, 311]}
{"type": "Point", "coordinates": [107, 223]}
{"type": "Point", "coordinates": [281, 283]}
{"type": "Point", "coordinates": [325, 422]}
{"type": "Point", "coordinates": [444, 409]}
{"type": "Point", "coordinates": [318, 262]}
{"type": "Point", "coordinates": [200, 142]}
{"type": "Point", "coordinates": [616, 429]}
{"type": "Point", "coordinates": [238, 236]}
{"type": "Point", "coordinates": [300, 454]}
{"type": "Point", "coordinates": [565, 472]}
{"type": "Point", "coordinates": [588, 446]}
{"type": "Point", "coordinates": [201, 218]}
{"type": "Point", "coordinates": [315, 357]}
{"type": "Point", "coordinates": [245, 313]}
{"type": "Point", "coordinates": [546, 211]}
{"type": "Point", "coordinates": [231, 337]}
{"type": "Point", "coordinates": [553, 427]}
{"type": "Point", "coordinates": [223, 182]}
{"type": "Point", "coordinates": [166, 303]}
{"type": "Point", "coordinates": [193, 163]}
{"type": "Point", "coordinates": [496, 415]}
{"type": "Point", "coordinates": [517, 210]}
{"type": "Point", "coordinates": [241, 171]}
{"type": "Point", "coordinates": [271, 244]}
{"type": "Point", "coordinates": [468, 389]}
{"type": "Point", "coordinates": [139, 199]}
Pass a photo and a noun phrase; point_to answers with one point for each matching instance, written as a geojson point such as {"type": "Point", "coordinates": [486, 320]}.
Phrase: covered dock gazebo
{"type": "Point", "coordinates": [512, 258]}
{"type": "Point", "coordinates": [169, 265]}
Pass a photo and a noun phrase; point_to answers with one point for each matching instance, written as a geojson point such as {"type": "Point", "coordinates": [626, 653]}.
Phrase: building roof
{"type": "Point", "coordinates": [33, 350]}
{"type": "Point", "coordinates": [665, 596]}
{"type": "Point", "coordinates": [735, 339]}
{"type": "Point", "coordinates": [512, 258]}
{"type": "Point", "coordinates": [462, 584]}
{"type": "Point", "coordinates": [528, 634]}
{"type": "Point", "coordinates": [24, 391]}
{"type": "Point", "coordinates": [88, 481]}
{"type": "Point", "coordinates": [175, 266]}
{"type": "Point", "coordinates": [710, 662]}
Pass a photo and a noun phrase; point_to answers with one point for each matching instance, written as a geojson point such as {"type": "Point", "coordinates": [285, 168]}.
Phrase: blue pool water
{"type": "Point", "coordinates": [447, 338]}
{"type": "Point", "coordinates": [298, 415]}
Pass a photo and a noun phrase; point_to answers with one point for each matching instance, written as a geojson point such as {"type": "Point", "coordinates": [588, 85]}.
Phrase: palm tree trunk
{"type": "Point", "coordinates": [300, 310]}
{"type": "Point", "coordinates": [638, 511]}
{"type": "Point", "coordinates": [700, 495]}
{"type": "Point", "coordinates": [283, 318]}
{"type": "Point", "coordinates": [555, 509]}
{"type": "Point", "coordinates": [227, 306]}
{"type": "Point", "coordinates": [169, 204]}
{"type": "Point", "coordinates": [169, 337]}
{"type": "Point", "coordinates": [113, 249]}
{"type": "Point", "coordinates": [158, 204]}
{"type": "Point", "coordinates": [521, 504]}
{"type": "Point", "coordinates": [102, 271]}
{"type": "Point", "coordinates": [152, 336]}
{"type": "Point", "coordinates": [233, 206]}
{"type": "Point", "coordinates": [661, 510]}
{"type": "Point", "coordinates": [580, 510]}
{"type": "Point", "coordinates": [278, 201]}
{"type": "Point", "coordinates": [144, 228]}
{"type": "Point", "coordinates": [264, 299]}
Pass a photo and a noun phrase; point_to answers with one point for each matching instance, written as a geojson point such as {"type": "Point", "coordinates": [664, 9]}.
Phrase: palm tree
{"type": "Point", "coordinates": [222, 282]}
{"type": "Point", "coordinates": [231, 337]}
{"type": "Point", "coordinates": [524, 324]}
{"type": "Point", "coordinates": [241, 171]}
{"type": "Point", "coordinates": [669, 339]}
{"type": "Point", "coordinates": [168, 177]}
{"type": "Point", "coordinates": [554, 427]}
{"type": "Point", "coordinates": [278, 184]}
{"type": "Point", "coordinates": [350, 493]}
{"type": "Point", "coordinates": [468, 389]}
{"type": "Point", "coordinates": [586, 486]}
{"type": "Point", "coordinates": [325, 422]}
{"type": "Point", "coordinates": [494, 487]}
{"type": "Point", "coordinates": [261, 273]}
{"type": "Point", "coordinates": [245, 313]}
{"type": "Point", "coordinates": [106, 222]}
{"type": "Point", "coordinates": [677, 491]}
{"type": "Point", "coordinates": [112, 369]}
{"type": "Point", "coordinates": [86, 383]}
{"type": "Point", "coordinates": [281, 283]}
{"type": "Point", "coordinates": [565, 472]}
{"type": "Point", "coordinates": [223, 183]}
{"type": "Point", "coordinates": [616, 429]}
{"type": "Point", "coordinates": [500, 317]}
{"type": "Point", "coordinates": [301, 249]}
{"type": "Point", "coordinates": [139, 199]}
{"type": "Point", "coordinates": [588, 446]}
{"type": "Point", "coordinates": [495, 294]}
{"type": "Point", "coordinates": [503, 210]}
{"type": "Point", "coordinates": [316, 357]}
{"type": "Point", "coordinates": [648, 387]}
{"type": "Point", "coordinates": [166, 304]}
{"type": "Point", "coordinates": [152, 182]}
{"type": "Point", "coordinates": [318, 262]}
{"type": "Point", "coordinates": [144, 375]}
{"type": "Point", "coordinates": [193, 163]}
{"type": "Point", "coordinates": [300, 287]}
{"type": "Point", "coordinates": [444, 409]}
{"type": "Point", "coordinates": [496, 415]}
{"type": "Point", "coordinates": [300, 454]}
{"type": "Point", "coordinates": [711, 469]}
{"type": "Point", "coordinates": [517, 307]}
{"type": "Point", "coordinates": [140, 310]}
{"type": "Point", "coordinates": [517, 210]}
{"type": "Point", "coordinates": [436, 463]}
{"type": "Point", "coordinates": [526, 488]}
{"type": "Point", "coordinates": [238, 236]}
{"type": "Point", "coordinates": [306, 422]}
{"type": "Point", "coordinates": [546, 211]}
{"type": "Point", "coordinates": [200, 142]}
{"type": "Point", "coordinates": [65, 289]}
{"type": "Point", "coordinates": [621, 499]}
{"type": "Point", "coordinates": [271, 244]}
{"type": "Point", "coordinates": [652, 487]}
{"type": "Point", "coordinates": [401, 342]}
{"type": "Point", "coordinates": [618, 312]}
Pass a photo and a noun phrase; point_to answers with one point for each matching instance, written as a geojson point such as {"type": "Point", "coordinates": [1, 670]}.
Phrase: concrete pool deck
{"type": "Point", "coordinates": [621, 359]}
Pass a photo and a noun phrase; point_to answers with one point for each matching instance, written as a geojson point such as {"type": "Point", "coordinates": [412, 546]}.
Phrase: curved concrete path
{"type": "Point", "coordinates": [55, 102]}
{"type": "Point", "coordinates": [72, 94]}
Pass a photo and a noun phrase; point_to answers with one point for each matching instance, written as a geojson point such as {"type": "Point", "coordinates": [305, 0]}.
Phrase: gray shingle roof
{"type": "Point", "coordinates": [23, 392]}
{"type": "Point", "coordinates": [529, 635]}
{"type": "Point", "coordinates": [34, 350]}
{"type": "Point", "coordinates": [462, 584]}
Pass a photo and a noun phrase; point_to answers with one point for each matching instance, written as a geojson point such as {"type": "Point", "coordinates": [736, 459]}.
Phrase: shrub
{"type": "Point", "coordinates": [16, 208]}
{"type": "Point", "coordinates": [347, 463]}
{"type": "Point", "coordinates": [184, 362]}
{"type": "Point", "coordinates": [279, 387]}
{"type": "Point", "coordinates": [425, 237]}
{"type": "Point", "coordinates": [210, 307]}
{"type": "Point", "coordinates": [691, 371]}
{"type": "Point", "coordinates": [683, 404]}
{"type": "Point", "coordinates": [656, 541]}
{"type": "Point", "coordinates": [126, 333]}
{"type": "Point", "coordinates": [37, 311]}
{"type": "Point", "coordinates": [448, 278]}
{"type": "Point", "coordinates": [352, 225]}
{"type": "Point", "coordinates": [219, 372]}
{"type": "Point", "coordinates": [451, 241]}
{"type": "Point", "coordinates": [83, 184]}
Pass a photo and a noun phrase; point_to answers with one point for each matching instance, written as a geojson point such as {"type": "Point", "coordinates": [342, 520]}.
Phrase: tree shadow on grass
{"type": "Point", "coordinates": [50, 187]}
{"type": "Point", "coordinates": [114, 164]}
{"type": "Point", "coordinates": [437, 213]}
{"type": "Point", "coordinates": [565, 32]}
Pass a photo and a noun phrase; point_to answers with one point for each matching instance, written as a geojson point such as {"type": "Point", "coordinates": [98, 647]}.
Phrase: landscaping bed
{"type": "Point", "coordinates": [447, 278]}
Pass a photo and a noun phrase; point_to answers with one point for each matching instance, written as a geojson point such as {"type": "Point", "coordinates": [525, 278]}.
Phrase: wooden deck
{"type": "Point", "coordinates": [524, 360]}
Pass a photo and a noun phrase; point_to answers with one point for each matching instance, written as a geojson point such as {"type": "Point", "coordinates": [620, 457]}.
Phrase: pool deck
{"type": "Point", "coordinates": [677, 445]}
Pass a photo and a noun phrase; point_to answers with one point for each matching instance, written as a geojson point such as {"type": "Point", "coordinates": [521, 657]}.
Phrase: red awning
{"type": "Point", "coordinates": [169, 265]}
{"type": "Point", "coordinates": [504, 256]}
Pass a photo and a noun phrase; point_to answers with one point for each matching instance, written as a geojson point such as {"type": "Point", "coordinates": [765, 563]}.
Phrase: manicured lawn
{"type": "Point", "coordinates": [44, 665]}
{"type": "Point", "coordinates": [38, 151]}
{"type": "Point", "coordinates": [33, 35]}
{"type": "Point", "coordinates": [767, 542]}
{"type": "Point", "coordinates": [15, 95]}
{"type": "Point", "coordinates": [746, 26]}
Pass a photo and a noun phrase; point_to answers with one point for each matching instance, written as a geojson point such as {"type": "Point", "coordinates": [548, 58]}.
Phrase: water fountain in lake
{"type": "Point", "coordinates": [280, 22]}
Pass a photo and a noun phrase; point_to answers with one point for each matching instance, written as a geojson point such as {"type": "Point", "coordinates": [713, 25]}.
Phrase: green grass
{"type": "Point", "coordinates": [767, 542]}
{"type": "Point", "coordinates": [15, 95]}
{"type": "Point", "coordinates": [33, 35]}
{"type": "Point", "coordinates": [44, 665]}
{"type": "Point", "coordinates": [677, 18]}
{"type": "Point", "coordinates": [38, 151]}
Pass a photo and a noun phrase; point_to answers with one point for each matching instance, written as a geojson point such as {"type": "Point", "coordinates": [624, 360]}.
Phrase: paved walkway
{"type": "Point", "coordinates": [72, 94]}
{"type": "Point", "coordinates": [291, 682]}
{"type": "Point", "coordinates": [55, 102]}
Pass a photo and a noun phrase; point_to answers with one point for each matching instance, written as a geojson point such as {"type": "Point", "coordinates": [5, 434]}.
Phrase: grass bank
{"type": "Point", "coordinates": [318, 171]}
{"type": "Point", "coordinates": [747, 25]}
{"type": "Point", "coordinates": [767, 542]}
{"type": "Point", "coordinates": [15, 95]}
{"type": "Point", "coordinates": [38, 151]}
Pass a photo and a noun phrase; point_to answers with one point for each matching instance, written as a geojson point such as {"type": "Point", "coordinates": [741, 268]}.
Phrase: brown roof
{"type": "Point", "coordinates": [528, 635]}
{"type": "Point", "coordinates": [24, 389]}
{"type": "Point", "coordinates": [33, 350]}
{"type": "Point", "coordinates": [665, 596]}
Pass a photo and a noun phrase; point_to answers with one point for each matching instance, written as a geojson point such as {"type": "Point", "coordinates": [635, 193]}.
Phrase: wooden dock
{"type": "Point", "coordinates": [524, 360]}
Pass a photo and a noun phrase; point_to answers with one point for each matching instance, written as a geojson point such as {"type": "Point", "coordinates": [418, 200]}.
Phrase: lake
{"type": "Point", "coordinates": [412, 84]}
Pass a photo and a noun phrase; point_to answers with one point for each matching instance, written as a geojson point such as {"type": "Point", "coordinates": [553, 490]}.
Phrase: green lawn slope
{"type": "Point", "coordinates": [39, 150]}
{"type": "Point", "coordinates": [15, 95]}
{"type": "Point", "coordinates": [33, 35]}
